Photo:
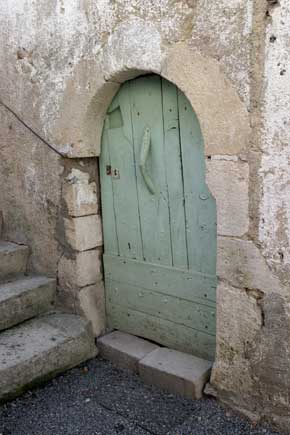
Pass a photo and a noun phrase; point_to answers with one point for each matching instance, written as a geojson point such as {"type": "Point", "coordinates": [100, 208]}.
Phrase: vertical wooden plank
{"type": "Point", "coordinates": [146, 106]}
{"type": "Point", "coordinates": [108, 212]}
{"type": "Point", "coordinates": [124, 177]}
{"type": "Point", "coordinates": [174, 176]}
{"type": "Point", "coordinates": [200, 208]}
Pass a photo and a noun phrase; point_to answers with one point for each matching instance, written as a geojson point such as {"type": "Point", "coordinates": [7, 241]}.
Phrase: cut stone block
{"type": "Point", "coordinates": [124, 350]}
{"type": "Point", "coordinates": [175, 372]}
{"type": "Point", "coordinates": [81, 270]}
{"type": "Point", "coordinates": [13, 259]}
{"type": "Point", "coordinates": [90, 303]}
{"type": "Point", "coordinates": [25, 298]}
{"type": "Point", "coordinates": [84, 233]}
{"type": "Point", "coordinates": [241, 264]}
{"type": "Point", "coordinates": [232, 351]}
{"type": "Point", "coordinates": [80, 195]}
{"type": "Point", "coordinates": [225, 121]}
{"type": "Point", "coordinates": [228, 182]}
{"type": "Point", "coordinates": [41, 348]}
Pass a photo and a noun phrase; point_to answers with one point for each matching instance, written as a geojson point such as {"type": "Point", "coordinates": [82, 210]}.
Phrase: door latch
{"type": "Point", "coordinates": [115, 173]}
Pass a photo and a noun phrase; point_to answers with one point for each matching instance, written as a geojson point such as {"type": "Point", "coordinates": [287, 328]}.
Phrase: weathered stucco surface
{"type": "Point", "coordinates": [252, 368]}
{"type": "Point", "coordinates": [274, 226]}
{"type": "Point", "coordinates": [62, 52]}
{"type": "Point", "coordinates": [62, 63]}
{"type": "Point", "coordinates": [30, 179]}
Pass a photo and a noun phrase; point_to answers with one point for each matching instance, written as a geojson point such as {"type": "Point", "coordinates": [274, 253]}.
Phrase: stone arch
{"type": "Point", "coordinates": [222, 115]}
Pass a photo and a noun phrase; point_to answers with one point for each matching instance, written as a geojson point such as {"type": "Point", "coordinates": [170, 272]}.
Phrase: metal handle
{"type": "Point", "coordinates": [145, 148]}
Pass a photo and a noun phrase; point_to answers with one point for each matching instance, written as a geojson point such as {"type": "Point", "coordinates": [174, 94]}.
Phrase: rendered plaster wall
{"type": "Point", "coordinates": [57, 51]}
{"type": "Point", "coordinates": [30, 180]}
{"type": "Point", "coordinates": [274, 228]}
{"type": "Point", "coordinates": [252, 366]}
{"type": "Point", "coordinates": [63, 61]}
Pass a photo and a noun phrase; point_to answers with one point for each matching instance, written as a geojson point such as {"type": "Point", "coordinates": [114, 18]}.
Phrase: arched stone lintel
{"type": "Point", "coordinates": [222, 115]}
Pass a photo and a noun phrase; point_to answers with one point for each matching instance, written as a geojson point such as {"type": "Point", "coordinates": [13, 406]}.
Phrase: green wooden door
{"type": "Point", "coordinates": [159, 219]}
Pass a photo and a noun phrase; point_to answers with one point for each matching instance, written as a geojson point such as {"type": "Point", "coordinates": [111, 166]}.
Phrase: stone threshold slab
{"type": "Point", "coordinates": [168, 369]}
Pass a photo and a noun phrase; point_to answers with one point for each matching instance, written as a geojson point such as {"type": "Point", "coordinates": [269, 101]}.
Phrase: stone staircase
{"type": "Point", "coordinates": [36, 343]}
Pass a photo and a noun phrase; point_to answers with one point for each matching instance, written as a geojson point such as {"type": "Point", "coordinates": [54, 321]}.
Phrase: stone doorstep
{"type": "Point", "coordinates": [124, 350]}
{"type": "Point", "coordinates": [175, 371]}
{"type": "Point", "coordinates": [168, 369]}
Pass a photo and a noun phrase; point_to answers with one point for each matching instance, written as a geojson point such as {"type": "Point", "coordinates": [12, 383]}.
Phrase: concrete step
{"type": "Point", "coordinates": [41, 348]}
{"type": "Point", "coordinates": [25, 298]}
{"type": "Point", "coordinates": [173, 371]}
{"type": "Point", "coordinates": [13, 259]}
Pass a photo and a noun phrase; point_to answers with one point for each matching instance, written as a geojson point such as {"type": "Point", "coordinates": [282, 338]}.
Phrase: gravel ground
{"type": "Point", "coordinates": [98, 399]}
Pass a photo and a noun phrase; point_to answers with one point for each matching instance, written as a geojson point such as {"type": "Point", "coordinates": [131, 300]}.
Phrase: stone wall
{"type": "Point", "coordinates": [61, 65]}
{"type": "Point", "coordinates": [30, 194]}
{"type": "Point", "coordinates": [252, 366]}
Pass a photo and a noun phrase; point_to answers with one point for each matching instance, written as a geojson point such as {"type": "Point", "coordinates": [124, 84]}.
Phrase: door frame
{"type": "Point", "coordinates": [222, 116]}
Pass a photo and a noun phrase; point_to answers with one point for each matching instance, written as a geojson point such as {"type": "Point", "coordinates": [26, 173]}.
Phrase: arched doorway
{"type": "Point", "coordinates": [159, 219]}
